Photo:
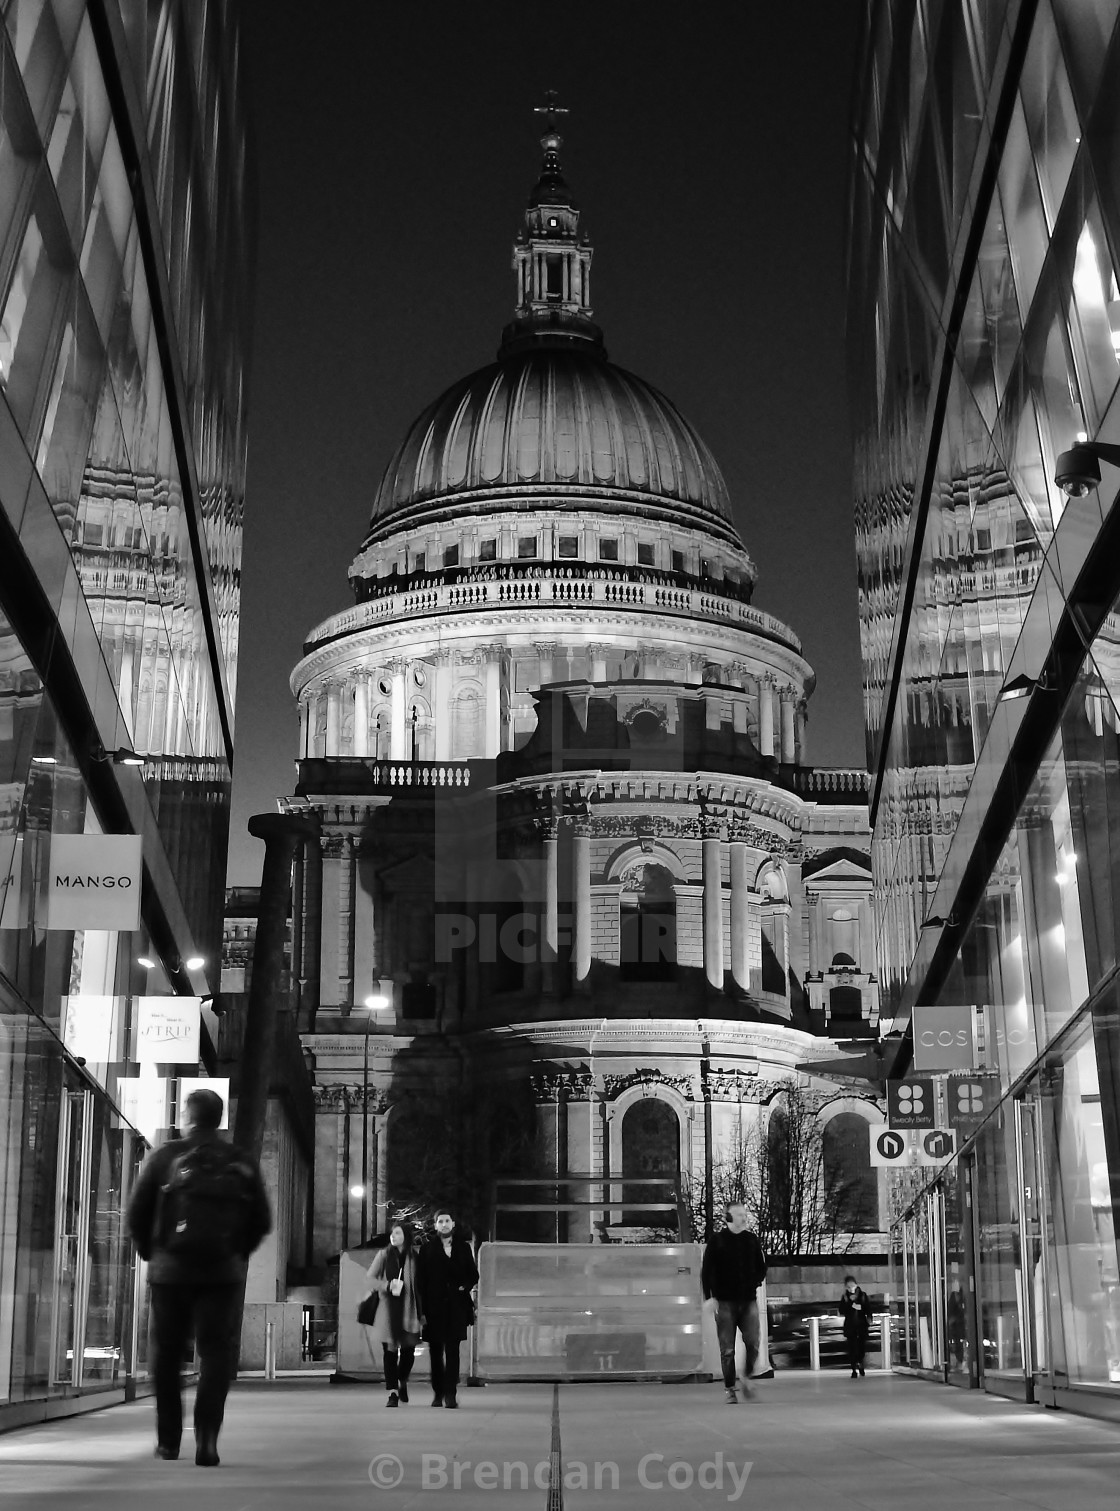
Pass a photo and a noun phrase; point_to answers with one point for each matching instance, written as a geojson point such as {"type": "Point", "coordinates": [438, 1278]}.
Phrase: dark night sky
{"type": "Point", "coordinates": [396, 146]}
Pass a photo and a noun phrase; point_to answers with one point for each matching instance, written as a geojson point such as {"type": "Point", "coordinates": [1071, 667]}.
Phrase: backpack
{"type": "Point", "coordinates": [205, 1204]}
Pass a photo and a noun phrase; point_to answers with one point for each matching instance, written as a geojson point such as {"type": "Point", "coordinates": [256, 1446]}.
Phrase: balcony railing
{"type": "Point", "coordinates": [356, 774]}
{"type": "Point", "coordinates": [546, 586]}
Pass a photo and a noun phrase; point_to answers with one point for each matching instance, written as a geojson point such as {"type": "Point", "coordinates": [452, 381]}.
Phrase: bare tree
{"type": "Point", "coordinates": [777, 1171]}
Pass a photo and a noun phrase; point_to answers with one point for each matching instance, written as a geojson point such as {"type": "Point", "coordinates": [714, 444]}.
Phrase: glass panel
{"type": "Point", "coordinates": [1048, 104]}
{"type": "Point", "coordinates": [998, 1280]}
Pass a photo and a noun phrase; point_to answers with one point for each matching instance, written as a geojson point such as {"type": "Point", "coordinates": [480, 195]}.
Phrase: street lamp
{"type": "Point", "coordinates": [373, 1005]}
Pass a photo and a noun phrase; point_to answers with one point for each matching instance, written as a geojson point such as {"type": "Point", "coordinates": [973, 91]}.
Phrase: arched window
{"type": "Point", "coordinates": [648, 925]}
{"type": "Point", "coordinates": [651, 1146]}
{"type": "Point", "coordinates": [851, 1187]}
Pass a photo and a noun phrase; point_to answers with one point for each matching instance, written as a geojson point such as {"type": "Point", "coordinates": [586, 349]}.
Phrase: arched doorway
{"type": "Point", "coordinates": [651, 1146]}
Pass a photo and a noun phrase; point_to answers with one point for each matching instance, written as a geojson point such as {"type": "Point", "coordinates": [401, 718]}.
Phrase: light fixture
{"type": "Point", "coordinates": [1078, 471]}
{"type": "Point", "coordinates": [357, 1191]}
{"type": "Point", "coordinates": [376, 1003]}
{"type": "Point", "coordinates": [44, 760]}
{"type": "Point", "coordinates": [146, 961]}
{"type": "Point", "coordinates": [935, 921]}
{"type": "Point", "coordinates": [124, 755]}
{"type": "Point", "coordinates": [195, 962]}
{"type": "Point", "coordinates": [1022, 686]}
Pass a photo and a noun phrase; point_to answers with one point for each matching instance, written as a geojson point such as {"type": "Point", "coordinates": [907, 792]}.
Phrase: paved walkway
{"type": "Point", "coordinates": [824, 1442]}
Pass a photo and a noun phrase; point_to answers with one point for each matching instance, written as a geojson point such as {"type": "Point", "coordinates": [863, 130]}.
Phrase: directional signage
{"type": "Point", "coordinates": [910, 1103]}
{"type": "Point", "coordinates": [890, 1149]}
{"type": "Point", "coordinates": [945, 1037]}
{"type": "Point", "coordinates": [969, 1099]}
{"type": "Point", "coordinates": [935, 1147]}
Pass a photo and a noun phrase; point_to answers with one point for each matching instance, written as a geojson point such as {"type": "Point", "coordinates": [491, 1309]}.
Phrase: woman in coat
{"type": "Point", "coordinates": [398, 1323]}
{"type": "Point", "coordinates": [855, 1309]}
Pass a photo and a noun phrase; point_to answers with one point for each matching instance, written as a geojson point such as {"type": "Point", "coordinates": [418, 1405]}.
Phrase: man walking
{"type": "Point", "coordinates": [197, 1212]}
{"type": "Point", "coordinates": [446, 1274]}
{"type": "Point", "coordinates": [733, 1269]}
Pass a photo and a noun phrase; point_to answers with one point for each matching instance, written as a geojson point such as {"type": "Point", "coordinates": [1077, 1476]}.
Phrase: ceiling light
{"type": "Point", "coordinates": [376, 1003]}
{"type": "Point", "coordinates": [195, 962]}
{"type": "Point", "coordinates": [44, 760]}
{"type": "Point", "coordinates": [146, 961]}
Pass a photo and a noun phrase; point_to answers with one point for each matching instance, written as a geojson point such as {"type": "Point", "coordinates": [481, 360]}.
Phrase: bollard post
{"type": "Point", "coordinates": [814, 1343]}
{"type": "Point", "coordinates": [270, 1351]}
{"type": "Point", "coordinates": [885, 1338]}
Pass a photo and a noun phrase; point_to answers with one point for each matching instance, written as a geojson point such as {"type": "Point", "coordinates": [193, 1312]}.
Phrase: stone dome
{"type": "Point", "coordinates": [555, 418]}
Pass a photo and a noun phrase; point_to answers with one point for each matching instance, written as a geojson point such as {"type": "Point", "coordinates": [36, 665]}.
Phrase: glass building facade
{"type": "Point", "coordinates": [984, 338]}
{"type": "Point", "coordinates": [124, 276]}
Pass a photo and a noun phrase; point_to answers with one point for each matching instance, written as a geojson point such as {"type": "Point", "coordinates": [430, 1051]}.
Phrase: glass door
{"type": "Point", "coordinates": [71, 1235]}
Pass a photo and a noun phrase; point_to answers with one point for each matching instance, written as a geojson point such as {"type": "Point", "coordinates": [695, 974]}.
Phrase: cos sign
{"type": "Point", "coordinates": [945, 1037]}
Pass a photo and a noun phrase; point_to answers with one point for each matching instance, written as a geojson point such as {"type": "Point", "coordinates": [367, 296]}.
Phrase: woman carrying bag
{"type": "Point", "coordinates": [398, 1321]}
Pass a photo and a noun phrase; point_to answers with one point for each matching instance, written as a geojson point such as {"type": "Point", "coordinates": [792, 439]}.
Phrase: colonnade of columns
{"type": "Point", "coordinates": [781, 726]}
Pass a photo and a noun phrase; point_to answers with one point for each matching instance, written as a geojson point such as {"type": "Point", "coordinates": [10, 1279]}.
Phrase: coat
{"type": "Point", "coordinates": [733, 1267]}
{"type": "Point", "coordinates": [398, 1318]}
{"type": "Point", "coordinates": [445, 1289]}
{"type": "Point", "coordinates": [856, 1312]}
{"type": "Point", "coordinates": [143, 1217]}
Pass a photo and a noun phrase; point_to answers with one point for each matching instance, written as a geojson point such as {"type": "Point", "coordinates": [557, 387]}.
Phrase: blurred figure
{"type": "Point", "coordinates": [855, 1309]}
{"type": "Point", "coordinates": [447, 1274]}
{"type": "Point", "coordinates": [398, 1322]}
{"type": "Point", "coordinates": [197, 1212]}
{"type": "Point", "coordinates": [733, 1269]}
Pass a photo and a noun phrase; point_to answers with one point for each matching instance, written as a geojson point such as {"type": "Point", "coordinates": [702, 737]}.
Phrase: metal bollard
{"type": "Point", "coordinates": [814, 1343]}
{"type": "Point", "coordinates": [885, 1338]}
{"type": "Point", "coordinates": [270, 1351]}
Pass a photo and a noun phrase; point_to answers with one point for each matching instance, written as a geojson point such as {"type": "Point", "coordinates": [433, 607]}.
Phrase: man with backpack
{"type": "Point", "coordinates": [197, 1212]}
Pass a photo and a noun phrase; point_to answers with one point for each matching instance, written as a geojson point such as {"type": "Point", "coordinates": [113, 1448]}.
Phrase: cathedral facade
{"type": "Point", "coordinates": [580, 909]}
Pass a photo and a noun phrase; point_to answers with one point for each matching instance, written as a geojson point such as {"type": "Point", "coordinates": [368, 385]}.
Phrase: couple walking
{"type": "Point", "coordinates": [425, 1292]}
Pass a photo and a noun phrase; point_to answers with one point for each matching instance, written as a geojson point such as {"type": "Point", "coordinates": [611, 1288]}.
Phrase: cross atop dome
{"type": "Point", "coordinates": [551, 258]}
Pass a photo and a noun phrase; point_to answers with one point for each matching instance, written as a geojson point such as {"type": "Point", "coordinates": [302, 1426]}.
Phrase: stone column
{"type": "Point", "coordinates": [766, 715]}
{"type": "Point", "coordinates": [365, 927]}
{"type": "Point", "coordinates": [442, 704]}
{"type": "Point", "coordinates": [545, 673]}
{"type": "Point", "coordinates": [550, 924]}
{"type": "Point", "coordinates": [802, 753]}
{"type": "Point", "coordinates": [581, 901]}
{"type": "Point", "coordinates": [740, 914]}
{"type": "Point", "coordinates": [492, 711]}
{"type": "Point", "coordinates": [398, 733]}
{"type": "Point", "coordinates": [813, 908]}
{"type": "Point", "coordinates": [346, 921]}
{"type": "Point", "coordinates": [334, 720]}
{"type": "Point", "coordinates": [713, 910]}
{"type": "Point", "coordinates": [597, 658]}
{"type": "Point", "coordinates": [788, 737]}
{"type": "Point", "coordinates": [381, 1181]}
{"type": "Point", "coordinates": [330, 949]}
{"type": "Point", "coordinates": [360, 743]}
{"type": "Point", "coordinates": [310, 986]}
{"type": "Point", "coordinates": [304, 728]}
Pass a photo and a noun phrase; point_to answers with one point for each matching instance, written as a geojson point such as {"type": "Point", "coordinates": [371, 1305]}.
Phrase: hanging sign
{"type": "Point", "coordinates": [890, 1149]}
{"type": "Point", "coordinates": [187, 1084]}
{"type": "Point", "coordinates": [88, 1027]}
{"type": "Point", "coordinates": [910, 1103]}
{"type": "Point", "coordinates": [969, 1099]}
{"type": "Point", "coordinates": [167, 1030]}
{"type": "Point", "coordinates": [945, 1037]}
{"type": "Point", "coordinates": [94, 881]}
{"type": "Point", "coordinates": [935, 1147]}
{"type": "Point", "coordinates": [143, 1101]}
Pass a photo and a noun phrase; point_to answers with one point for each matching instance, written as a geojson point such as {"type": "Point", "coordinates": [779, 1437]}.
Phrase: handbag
{"type": "Point", "coordinates": [367, 1309]}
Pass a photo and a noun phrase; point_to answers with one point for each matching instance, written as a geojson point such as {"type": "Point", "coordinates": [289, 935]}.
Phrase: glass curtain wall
{"type": "Point", "coordinates": [124, 273]}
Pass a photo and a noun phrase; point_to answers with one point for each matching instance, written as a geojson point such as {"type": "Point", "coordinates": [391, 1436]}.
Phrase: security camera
{"type": "Point", "coordinates": [1077, 471]}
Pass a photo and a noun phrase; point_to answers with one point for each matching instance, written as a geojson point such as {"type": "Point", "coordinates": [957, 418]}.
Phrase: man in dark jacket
{"type": "Point", "coordinates": [198, 1210]}
{"type": "Point", "coordinates": [446, 1274]}
{"type": "Point", "coordinates": [733, 1269]}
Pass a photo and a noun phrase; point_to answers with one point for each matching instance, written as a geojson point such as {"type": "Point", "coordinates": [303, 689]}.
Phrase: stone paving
{"type": "Point", "coordinates": [821, 1441]}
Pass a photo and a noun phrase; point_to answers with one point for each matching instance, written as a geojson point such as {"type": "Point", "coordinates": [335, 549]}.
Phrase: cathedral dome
{"type": "Point", "coordinates": [554, 414]}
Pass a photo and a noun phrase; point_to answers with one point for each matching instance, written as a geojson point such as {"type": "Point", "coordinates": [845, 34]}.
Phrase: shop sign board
{"type": "Point", "coordinates": [934, 1147]}
{"type": "Point", "coordinates": [969, 1099]}
{"type": "Point", "coordinates": [945, 1037]}
{"type": "Point", "coordinates": [910, 1103]}
{"type": "Point", "coordinates": [890, 1148]}
{"type": "Point", "coordinates": [168, 1030]}
{"type": "Point", "coordinates": [94, 882]}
